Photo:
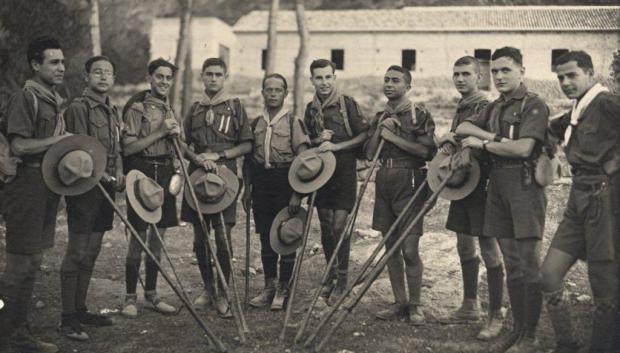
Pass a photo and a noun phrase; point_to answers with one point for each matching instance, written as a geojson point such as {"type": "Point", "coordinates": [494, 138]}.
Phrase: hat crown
{"type": "Point", "coordinates": [75, 165]}
{"type": "Point", "coordinates": [149, 193]}
{"type": "Point", "coordinates": [210, 188]}
{"type": "Point", "coordinates": [458, 178]}
{"type": "Point", "coordinates": [310, 167]}
{"type": "Point", "coordinates": [290, 230]}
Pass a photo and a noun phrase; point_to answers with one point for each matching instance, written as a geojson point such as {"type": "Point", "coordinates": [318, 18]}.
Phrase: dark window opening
{"type": "Point", "coordinates": [484, 59]}
{"type": "Point", "coordinates": [408, 59]}
{"type": "Point", "coordinates": [263, 60]}
{"type": "Point", "coordinates": [338, 58]}
{"type": "Point", "coordinates": [482, 54]}
{"type": "Point", "coordinates": [555, 54]}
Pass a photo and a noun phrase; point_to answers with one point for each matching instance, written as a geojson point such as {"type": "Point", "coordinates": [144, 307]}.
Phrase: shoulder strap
{"type": "Point", "coordinates": [517, 124]}
{"type": "Point", "coordinates": [231, 104]}
{"type": "Point", "coordinates": [35, 103]}
{"type": "Point", "coordinates": [345, 116]}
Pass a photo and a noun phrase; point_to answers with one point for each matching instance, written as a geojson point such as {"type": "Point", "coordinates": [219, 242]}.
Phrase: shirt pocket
{"type": "Point", "coordinates": [99, 128]}
{"type": "Point", "coordinates": [587, 133]}
{"type": "Point", "coordinates": [46, 124]}
{"type": "Point", "coordinates": [281, 139]}
{"type": "Point", "coordinates": [226, 127]}
{"type": "Point", "coordinates": [199, 129]}
{"type": "Point", "coordinates": [510, 123]}
{"type": "Point", "coordinates": [335, 122]}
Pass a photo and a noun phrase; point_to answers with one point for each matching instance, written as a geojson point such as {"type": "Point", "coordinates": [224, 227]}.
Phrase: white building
{"type": "Point", "coordinates": [211, 37]}
{"type": "Point", "coordinates": [429, 39]}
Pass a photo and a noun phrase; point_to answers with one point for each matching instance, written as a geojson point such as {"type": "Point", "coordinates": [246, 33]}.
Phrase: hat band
{"type": "Point", "coordinates": [455, 185]}
{"type": "Point", "coordinates": [139, 197]}
{"type": "Point", "coordinates": [307, 180]}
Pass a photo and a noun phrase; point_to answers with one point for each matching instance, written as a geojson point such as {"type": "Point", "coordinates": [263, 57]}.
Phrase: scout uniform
{"type": "Point", "coordinates": [588, 226]}
{"type": "Point", "coordinates": [89, 215]}
{"type": "Point", "coordinates": [276, 143]}
{"type": "Point", "coordinates": [30, 207]}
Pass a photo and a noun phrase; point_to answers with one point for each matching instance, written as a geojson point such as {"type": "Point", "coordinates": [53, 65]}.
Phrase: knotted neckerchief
{"type": "Point", "coordinates": [403, 106]}
{"type": "Point", "coordinates": [220, 97]}
{"type": "Point", "coordinates": [51, 97]}
{"type": "Point", "coordinates": [319, 106]}
{"type": "Point", "coordinates": [474, 98]}
{"type": "Point", "coordinates": [114, 130]}
{"type": "Point", "coordinates": [269, 131]}
{"type": "Point", "coordinates": [579, 106]}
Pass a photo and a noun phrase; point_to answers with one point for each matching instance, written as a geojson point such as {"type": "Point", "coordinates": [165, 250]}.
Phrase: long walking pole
{"type": "Point", "coordinates": [210, 336]}
{"type": "Point", "coordinates": [248, 211]}
{"type": "Point", "coordinates": [362, 274]}
{"type": "Point", "coordinates": [166, 254]}
{"type": "Point", "coordinates": [346, 233]}
{"type": "Point", "coordinates": [237, 301]}
{"type": "Point", "coordinates": [297, 267]}
{"type": "Point", "coordinates": [381, 265]}
{"type": "Point", "coordinates": [205, 229]}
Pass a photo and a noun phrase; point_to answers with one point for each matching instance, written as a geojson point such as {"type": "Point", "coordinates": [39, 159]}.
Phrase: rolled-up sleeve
{"type": "Point", "coordinates": [132, 126]}
{"type": "Point", "coordinates": [20, 111]}
{"type": "Point", "coordinates": [299, 136]}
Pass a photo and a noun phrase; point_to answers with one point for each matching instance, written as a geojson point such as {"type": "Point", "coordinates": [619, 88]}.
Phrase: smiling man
{"type": "Point", "coordinates": [590, 133]}
{"type": "Point", "coordinates": [34, 124]}
{"type": "Point", "coordinates": [90, 215]}
{"type": "Point", "coordinates": [512, 130]}
{"type": "Point", "coordinates": [150, 126]}
{"type": "Point", "coordinates": [408, 130]}
{"type": "Point", "coordinates": [335, 124]}
{"type": "Point", "coordinates": [217, 131]}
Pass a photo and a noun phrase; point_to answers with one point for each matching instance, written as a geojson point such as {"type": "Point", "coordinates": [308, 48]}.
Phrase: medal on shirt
{"type": "Point", "coordinates": [209, 118]}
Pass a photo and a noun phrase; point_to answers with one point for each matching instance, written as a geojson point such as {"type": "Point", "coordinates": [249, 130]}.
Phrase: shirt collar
{"type": "Point", "coordinates": [150, 98]}
{"type": "Point", "coordinates": [517, 94]}
{"type": "Point", "coordinates": [94, 100]}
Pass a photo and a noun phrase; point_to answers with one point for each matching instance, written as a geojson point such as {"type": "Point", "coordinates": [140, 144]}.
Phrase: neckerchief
{"type": "Point", "coordinates": [269, 131]}
{"type": "Point", "coordinates": [403, 106]}
{"type": "Point", "coordinates": [51, 97]}
{"type": "Point", "coordinates": [112, 118]}
{"type": "Point", "coordinates": [319, 106]}
{"type": "Point", "coordinates": [580, 106]}
{"type": "Point", "coordinates": [464, 103]}
{"type": "Point", "coordinates": [220, 97]}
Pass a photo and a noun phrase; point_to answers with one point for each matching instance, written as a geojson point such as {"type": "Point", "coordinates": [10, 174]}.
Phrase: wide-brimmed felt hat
{"type": "Point", "coordinates": [310, 170]}
{"type": "Point", "coordinates": [145, 196]}
{"type": "Point", "coordinates": [286, 233]}
{"type": "Point", "coordinates": [74, 165]}
{"type": "Point", "coordinates": [462, 182]}
{"type": "Point", "coordinates": [215, 191]}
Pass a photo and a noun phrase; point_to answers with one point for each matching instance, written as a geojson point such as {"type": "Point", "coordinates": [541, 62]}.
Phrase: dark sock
{"type": "Point", "coordinates": [469, 270]}
{"type": "Point", "coordinates": [495, 280]}
{"type": "Point", "coordinates": [516, 294]}
{"type": "Point", "coordinates": [68, 290]}
{"type": "Point", "coordinates": [132, 271]}
{"type": "Point", "coordinates": [533, 307]}
{"type": "Point", "coordinates": [81, 293]}
{"type": "Point", "coordinates": [287, 263]}
{"type": "Point", "coordinates": [151, 275]}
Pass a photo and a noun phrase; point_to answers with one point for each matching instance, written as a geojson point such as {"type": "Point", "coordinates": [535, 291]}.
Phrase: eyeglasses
{"type": "Point", "coordinates": [101, 73]}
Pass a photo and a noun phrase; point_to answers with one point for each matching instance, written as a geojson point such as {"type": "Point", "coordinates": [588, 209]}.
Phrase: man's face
{"type": "Point", "coordinates": [214, 78]}
{"type": "Point", "coordinates": [101, 76]}
{"type": "Point", "coordinates": [274, 92]}
{"type": "Point", "coordinates": [52, 69]}
{"type": "Point", "coordinates": [574, 81]}
{"type": "Point", "coordinates": [161, 81]}
{"type": "Point", "coordinates": [323, 79]}
{"type": "Point", "coordinates": [507, 74]}
{"type": "Point", "coordinates": [465, 78]}
{"type": "Point", "coordinates": [394, 85]}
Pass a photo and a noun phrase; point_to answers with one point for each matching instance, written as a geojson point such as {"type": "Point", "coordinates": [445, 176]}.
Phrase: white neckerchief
{"type": "Point", "coordinates": [579, 107]}
{"type": "Point", "coordinates": [269, 131]}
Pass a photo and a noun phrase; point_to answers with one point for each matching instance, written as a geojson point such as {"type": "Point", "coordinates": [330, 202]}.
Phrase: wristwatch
{"type": "Point", "coordinates": [497, 138]}
{"type": "Point", "coordinates": [222, 154]}
{"type": "Point", "coordinates": [484, 144]}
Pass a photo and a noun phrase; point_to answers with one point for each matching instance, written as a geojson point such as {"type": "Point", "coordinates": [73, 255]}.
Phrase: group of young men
{"type": "Point", "coordinates": [505, 210]}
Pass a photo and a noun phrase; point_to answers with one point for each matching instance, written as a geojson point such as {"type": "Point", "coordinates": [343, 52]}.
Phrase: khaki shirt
{"type": "Point", "coordinates": [144, 118]}
{"type": "Point", "coordinates": [333, 120]}
{"type": "Point", "coordinates": [288, 133]}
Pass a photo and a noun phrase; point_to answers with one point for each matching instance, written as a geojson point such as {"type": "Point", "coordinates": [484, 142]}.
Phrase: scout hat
{"type": "Point", "coordinates": [215, 191]}
{"type": "Point", "coordinates": [145, 196]}
{"type": "Point", "coordinates": [462, 182]}
{"type": "Point", "coordinates": [74, 165]}
{"type": "Point", "coordinates": [286, 232]}
{"type": "Point", "coordinates": [310, 170]}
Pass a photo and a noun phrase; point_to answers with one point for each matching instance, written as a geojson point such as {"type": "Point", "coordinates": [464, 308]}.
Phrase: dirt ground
{"type": "Point", "coordinates": [360, 333]}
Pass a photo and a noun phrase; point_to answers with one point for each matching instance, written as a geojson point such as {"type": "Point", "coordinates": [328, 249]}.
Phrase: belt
{"type": "Point", "coordinates": [587, 171]}
{"type": "Point", "coordinates": [279, 165]}
{"type": "Point", "coordinates": [158, 160]}
{"type": "Point", "coordinates": [593, 186]}
{"type": "Point", "coordinates": [397, 163]}
{"type": "Point", "coordinates": [506, 163]}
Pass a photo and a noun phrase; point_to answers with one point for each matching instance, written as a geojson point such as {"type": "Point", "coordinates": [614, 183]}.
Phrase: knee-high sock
{"type": "Point", "coordinates": [495, 280]}
{"type": "Point", "coordinates": [469, 270]}
{"type": "Point", "coordinates": [559, 311]}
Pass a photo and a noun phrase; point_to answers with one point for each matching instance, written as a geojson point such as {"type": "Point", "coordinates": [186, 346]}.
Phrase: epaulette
{"type": "Point", "coordinates": [137, 106]}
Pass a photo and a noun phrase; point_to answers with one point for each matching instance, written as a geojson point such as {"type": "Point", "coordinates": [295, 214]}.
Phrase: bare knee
{"type": "Point", "coordinates": [465, 246]}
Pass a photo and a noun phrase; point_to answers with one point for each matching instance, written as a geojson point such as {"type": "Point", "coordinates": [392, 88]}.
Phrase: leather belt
{"type": "Point", "coordinates": [279, 165]}
{"type": "Point", "coordinates": [397, 163]}
{"type": "Point", "coordinates": [158, 160]}
{"type": "Point", "coordinates": [592, 187]}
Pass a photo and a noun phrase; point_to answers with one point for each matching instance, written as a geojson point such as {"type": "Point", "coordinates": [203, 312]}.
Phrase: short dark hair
{"type": "Point", "coordinates": [583, 59]}
{"type": "Point", "coordinates": [39, 45]}
{"type": "Point", "coordinates": [153, 65]}
{"type": "Point", "coordinates": [402, 70]}
{"type": "Point", "coordinates": [509, 52]}
{"type": "Point", "coordinates": [275, 75]}
{"type": "Point", "coordinates": [321, 63]}
{"type": "Point", "coordinates": [89, 63]}
{"type": "Point", "coordinates": [214, 62]}
{"type": "Point", "coordinates": [468, 60]}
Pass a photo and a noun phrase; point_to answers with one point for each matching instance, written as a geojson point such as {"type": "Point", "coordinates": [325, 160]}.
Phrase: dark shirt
{"type": "Point", "coordinates": [466, 110]}
{"type": "Point", "coordinates": [143, 119]}
{"type": "Point", "coordinates": [333, 120]}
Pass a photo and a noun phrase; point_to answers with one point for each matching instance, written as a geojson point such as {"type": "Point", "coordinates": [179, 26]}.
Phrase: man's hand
{"type": "Point", "coordinates": [326, 135]}
{"type": "Point", "coordinates": [328, 147]}
{"type": "Point", "coordinates": [210, 166]}
{"type": "Point", "coordinates": [171, 127]}
{"type": "Point", "coordinates": [246, 198]}
{"type": "Point", "coordinates": [294, 204]}
{"type": "Point", "coordinates": [447, 138]}
{"type": "Point", "coordinates": [390, 124]}
{"type": "Point", "coordinates": [447, 148]}
{"type": "Point", "coordinates": [208, 156]}
{"type": "Point", "coordinates": [119, 185]}
{"type": "Point", "coordinates": [472, 142]}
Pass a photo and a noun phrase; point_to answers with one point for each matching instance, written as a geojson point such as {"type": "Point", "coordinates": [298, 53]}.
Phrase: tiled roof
{"type": "Point", "coordinates": [442, 19]}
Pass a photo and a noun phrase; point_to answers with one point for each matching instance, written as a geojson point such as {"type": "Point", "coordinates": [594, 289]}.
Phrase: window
{"type": "Point", "coordinates": [555, 54]}
{"type": "Point", "coordinates": [484, 58]}
{"type": "Point", "coordinates": [263, 60]}
{"type": "Point", "coordinates": [338, 58]}
{"type": "Point", "coordinates": [482, 54]}
{"type": "Point", "coordinates": [408, 59]}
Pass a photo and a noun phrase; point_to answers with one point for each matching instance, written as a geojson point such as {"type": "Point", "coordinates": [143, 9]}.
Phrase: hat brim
{"type": "Point", "coordinates": [274, 239]}
{"type": "Point", "coordinates": [49, 167]}
{"type": "Point", "coordinates": [452, 193]}
{"type": "Point", "coordinates": [303, 187]}
{"type": "Point", "coordinates": [230, 196]}
{"type": "Point", "coordinates": [147, 215]}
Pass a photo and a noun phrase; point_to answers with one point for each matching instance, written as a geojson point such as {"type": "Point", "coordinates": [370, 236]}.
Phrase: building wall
{"type": "Point", "coordinates": [372, 53]}
{"type": "Point", "coordinates": [208, 34]}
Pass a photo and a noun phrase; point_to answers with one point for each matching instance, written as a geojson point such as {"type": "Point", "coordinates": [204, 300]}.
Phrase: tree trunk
{"type": "Point", "coordinates": [179, 60]}
{"type": "Point", "coordinates": [186, 100]}
{"type": "Point", "coordinates": [300, 61]}
{"type": "Point", "coordinates": [95, 31]}
{"type": "Point", "coordinates": [272, 41]}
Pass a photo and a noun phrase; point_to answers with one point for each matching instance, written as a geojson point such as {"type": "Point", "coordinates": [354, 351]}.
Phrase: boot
{"type": "Point", "coordinates": [493, 326]}
{"type": "Point", "coordinates": [70, 327]}
{"type": "Point", "coordinates": [339, 289]}
{"type": "Point", "coordinates": [282, 293]}
{"type": "Point", "coordinates": [559, 312]}
{"type": "Point", "coordinates": [468, 312]}
{"type": "Point", "coordinates": [266, 297]}
{"type": "Point", "coordinates": [604, 322]}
